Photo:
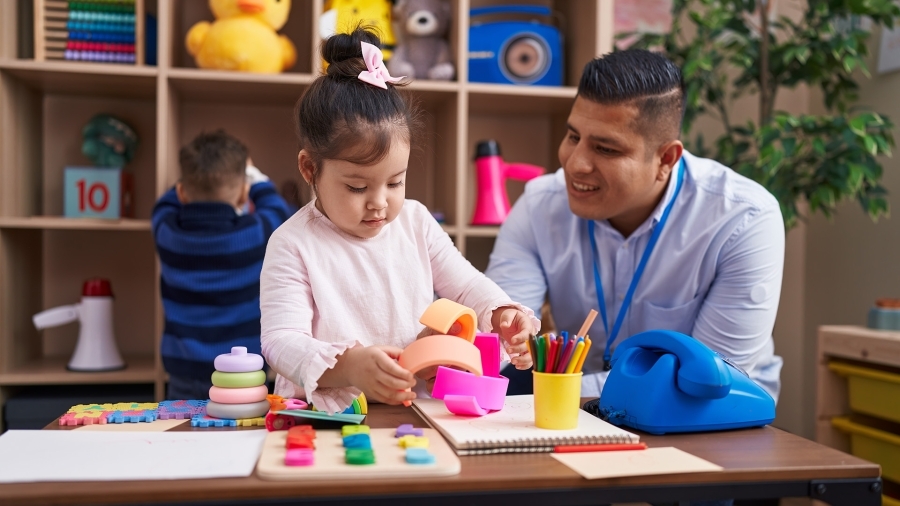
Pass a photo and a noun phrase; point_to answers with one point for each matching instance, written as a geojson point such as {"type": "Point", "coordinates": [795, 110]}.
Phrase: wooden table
{"type": "Point", "coordinates": [759, 463]}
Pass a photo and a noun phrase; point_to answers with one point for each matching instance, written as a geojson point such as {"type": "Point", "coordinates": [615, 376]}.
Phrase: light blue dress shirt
{"type": "Point", "coordinates": [715, 273]}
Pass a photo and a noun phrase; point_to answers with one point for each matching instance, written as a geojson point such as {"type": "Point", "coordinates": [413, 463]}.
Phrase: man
{"type": "Point", "coordinates": [712, 240]}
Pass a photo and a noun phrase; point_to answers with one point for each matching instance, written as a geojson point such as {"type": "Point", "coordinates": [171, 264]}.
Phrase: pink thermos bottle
{"type": "Point", "coordinates": [492, 205]}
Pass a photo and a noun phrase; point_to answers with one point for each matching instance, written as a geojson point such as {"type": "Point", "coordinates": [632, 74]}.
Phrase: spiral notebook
{"type": "Point", "coordinates": [512, 430]}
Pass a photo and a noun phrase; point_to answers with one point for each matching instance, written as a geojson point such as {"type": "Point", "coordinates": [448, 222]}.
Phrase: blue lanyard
{"type": "Point", "coordinates": [637, 274]}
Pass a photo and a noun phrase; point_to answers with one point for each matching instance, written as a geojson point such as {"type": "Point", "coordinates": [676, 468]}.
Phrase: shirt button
{"type": "Point", "coordinates": [621, 296]}
{"type": "Point", "coordinates": [625, 246]}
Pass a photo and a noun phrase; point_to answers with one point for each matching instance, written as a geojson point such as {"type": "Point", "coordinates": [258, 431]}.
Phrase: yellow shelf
{"type": "Point", "coordinates": [52, 371]}
{"type": "Point", "coordinates": [60, 223]}
{"type": "Point", "coordinates": [83, 78]}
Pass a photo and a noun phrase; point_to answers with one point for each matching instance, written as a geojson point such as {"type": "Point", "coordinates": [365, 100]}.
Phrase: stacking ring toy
{"type": "Point", "coordinates": [238, 379]}
{"type": "Point", "coordinates": [440, 350]}
{"type": "Point", "coordinates": [443, 313]}
{"type": "Point", "coordinates": [238, 395]}
{"type": "Point", "coordinates": [239, 361]}
{"type": "Point", "coordinates": [489, 392]}
{"type": "Point", "coordinates": [237, 411]}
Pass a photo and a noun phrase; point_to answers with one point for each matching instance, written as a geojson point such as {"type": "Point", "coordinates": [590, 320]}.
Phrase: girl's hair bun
{"type": "Point", "coordinates": [343, 51]}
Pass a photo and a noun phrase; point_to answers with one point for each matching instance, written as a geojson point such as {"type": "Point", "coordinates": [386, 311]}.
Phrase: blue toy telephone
{"type": "Point", "coordinates": [663, 381]}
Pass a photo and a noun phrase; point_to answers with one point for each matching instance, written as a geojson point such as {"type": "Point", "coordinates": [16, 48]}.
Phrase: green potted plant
{"type": "Point", "coordinates": [822, 159]}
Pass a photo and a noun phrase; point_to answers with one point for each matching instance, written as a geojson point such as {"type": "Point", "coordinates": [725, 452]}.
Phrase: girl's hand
{"type": "Point", "coordinates": [375, 371]}
{"type": "Point", "coordinates": [514, 328]}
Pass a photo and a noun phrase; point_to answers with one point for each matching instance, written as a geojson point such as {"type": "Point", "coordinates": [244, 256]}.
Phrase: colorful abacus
{"type": "Point", "coordinates": [239, 386]}
{"type": "Point", "coordinates": [92, 30]}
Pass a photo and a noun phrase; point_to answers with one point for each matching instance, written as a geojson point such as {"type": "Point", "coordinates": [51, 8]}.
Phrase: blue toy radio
{"type": "Point", "coordinates": [515, 52]}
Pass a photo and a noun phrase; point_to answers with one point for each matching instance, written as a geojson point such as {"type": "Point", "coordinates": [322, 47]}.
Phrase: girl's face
{"type": "Point", "coordinates": [360, 199]}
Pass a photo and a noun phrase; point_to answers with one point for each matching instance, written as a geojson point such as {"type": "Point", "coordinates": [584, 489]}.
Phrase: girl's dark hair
{"type": "Point", "coordinates": [343, 118]}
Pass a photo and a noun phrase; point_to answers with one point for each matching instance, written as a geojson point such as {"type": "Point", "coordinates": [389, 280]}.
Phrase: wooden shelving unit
{"type": "Point", "coordinates": [44, 258]}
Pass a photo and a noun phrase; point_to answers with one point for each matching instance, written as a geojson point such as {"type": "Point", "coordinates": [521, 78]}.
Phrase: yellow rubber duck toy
{"type": "Point", "coordinates": [243, 37]}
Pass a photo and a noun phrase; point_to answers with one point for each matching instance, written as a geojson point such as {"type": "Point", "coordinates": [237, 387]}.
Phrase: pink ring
{"type": "Point", "coordinates": [238, 395]}
{"type": "Point", "coordinates": [439, 350]}
{"type": "Point", "coordinates": [489, 392]}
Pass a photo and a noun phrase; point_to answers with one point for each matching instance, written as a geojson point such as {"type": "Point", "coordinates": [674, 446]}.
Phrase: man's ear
{"type": "Point", "coordinates": [307, 166]}
{"type": "Point", "coordinates": [181, 193]}
{"type": "Point", "coordinates": [669, 155]}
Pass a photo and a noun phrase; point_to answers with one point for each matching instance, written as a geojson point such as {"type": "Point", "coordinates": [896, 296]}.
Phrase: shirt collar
{"type": "Point", "coordinates": [205, 212]}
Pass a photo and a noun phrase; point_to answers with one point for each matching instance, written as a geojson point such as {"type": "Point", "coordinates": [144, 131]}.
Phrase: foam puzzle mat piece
{"type": "Point", "coordinates": [203, 421]}
{"type": "Point", "coordinates": [132, 416]}
{"type": "Point", "coordinates": [179, 409]}
{"type": "Point", "coordinates": [84, 417]}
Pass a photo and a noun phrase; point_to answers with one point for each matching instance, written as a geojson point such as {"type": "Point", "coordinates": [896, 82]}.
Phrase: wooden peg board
{"type": "Point", "coordinates": [51, 34]}
{"type": "Point", "coordinates": [390, 458]}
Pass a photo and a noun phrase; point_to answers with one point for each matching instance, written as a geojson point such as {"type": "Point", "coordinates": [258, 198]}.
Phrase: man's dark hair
{"type": "Point", "coordinates": [212, 160]}
{"type": "Point", "coordinates": [647, 80]}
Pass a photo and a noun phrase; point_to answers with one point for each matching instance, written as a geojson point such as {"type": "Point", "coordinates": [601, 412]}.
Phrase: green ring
{"type": "Point", "coordinates": [238, 379]}
{"type": "Point", "coordinates": [356, 407]}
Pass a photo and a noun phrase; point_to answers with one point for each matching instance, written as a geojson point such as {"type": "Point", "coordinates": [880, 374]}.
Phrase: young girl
{"type": "Point", "coordinates": [346, 279]}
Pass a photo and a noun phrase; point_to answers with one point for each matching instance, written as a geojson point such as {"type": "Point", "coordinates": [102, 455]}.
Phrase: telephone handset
{"type": "Point", "coordinates": [701, 371]}
{"type": "Point", "coordinates": [664, 381]}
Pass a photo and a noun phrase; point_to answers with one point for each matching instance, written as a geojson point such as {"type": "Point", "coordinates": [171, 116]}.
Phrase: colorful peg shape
{"type": "Point", "coordinates": [419, 456]}
{"type": "Point", "coordinates": [357, 441]}
{"type": "Point", "coordinates": [299, 457]}
{"type": "Point", "coordinates": [407, 430]}
{"type": "Point", "coordinates": [359, 456]}
{"type": "Point", "coordinates": [413, 442]}
{"type": "Point", "coordinates": [348, 430]}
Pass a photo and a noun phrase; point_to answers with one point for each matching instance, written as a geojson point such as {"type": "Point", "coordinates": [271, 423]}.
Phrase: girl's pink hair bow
{"type": "Point", "coordinates": [378, 74]}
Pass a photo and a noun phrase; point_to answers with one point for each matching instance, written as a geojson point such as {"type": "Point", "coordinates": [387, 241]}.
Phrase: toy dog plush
{"type": "Point", "coordinates": [424, 52]}
{"type": "Point", "coordinates": [243, 37]}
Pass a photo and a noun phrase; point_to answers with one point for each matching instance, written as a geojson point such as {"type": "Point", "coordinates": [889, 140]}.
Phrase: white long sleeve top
{"type": "Point", "coordinates": [322, 291]}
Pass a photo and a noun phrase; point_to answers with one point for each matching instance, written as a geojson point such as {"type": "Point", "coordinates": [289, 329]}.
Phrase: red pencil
{"type": "Point", "coordinates": [599, 448]}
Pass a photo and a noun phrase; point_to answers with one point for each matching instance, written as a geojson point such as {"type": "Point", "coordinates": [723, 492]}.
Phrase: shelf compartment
{"type": "Point", "coordinates": [300, 28]}
{"type": "Point", "coordinates": [486, 231]}
{"type": "Point", "coordinates": [82, 78]}
{"type": "Point", "coordinates": [515, 99]}
{"type": "Point", "coordinates": [247, 88]}
{"type": "Point", "coordinates": [52, 371]}
{"type": "Point", "coordinates": [62, 223]}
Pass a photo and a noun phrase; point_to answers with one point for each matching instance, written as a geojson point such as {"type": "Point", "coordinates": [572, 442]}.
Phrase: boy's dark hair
{"type": "Point", "coordinates": [343, 118]}
{"type": "Point", "coordinates": [645, 79]}
{"type": "Point", "coordinates": [211, 161]}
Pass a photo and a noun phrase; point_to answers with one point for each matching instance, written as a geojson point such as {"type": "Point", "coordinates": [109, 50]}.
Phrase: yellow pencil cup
{"type": "Point", "coordinates": [557, 399]}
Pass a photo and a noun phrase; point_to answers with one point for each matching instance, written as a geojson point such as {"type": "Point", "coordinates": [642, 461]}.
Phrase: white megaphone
{"type": "Point", "coordinates": [96, 349]}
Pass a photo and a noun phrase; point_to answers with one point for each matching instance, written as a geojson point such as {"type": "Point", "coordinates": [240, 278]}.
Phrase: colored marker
{"type": "Point", "coordinates": [551, 355]}
{"type": "Point", "coordinates": [584, 353]}
{"type": "Point", "coordinates": [539, 356]}
{"type": "Point", "coordinates": [566, 356]}
{"type": "Point", "coordinates": [576, 357]}
{"type": "Point", "coordinates": [599, 448]}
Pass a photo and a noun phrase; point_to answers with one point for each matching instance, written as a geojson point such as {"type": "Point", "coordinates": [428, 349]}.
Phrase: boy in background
{"type": "Point", "coordinates": [211, 255]}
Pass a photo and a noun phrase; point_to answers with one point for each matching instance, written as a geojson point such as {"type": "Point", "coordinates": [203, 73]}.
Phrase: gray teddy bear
{"type": "Point", "coordinates": [422, 51]}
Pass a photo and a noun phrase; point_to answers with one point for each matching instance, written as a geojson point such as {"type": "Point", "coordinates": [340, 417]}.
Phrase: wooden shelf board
{"type": "Point", "coordinates": [249, 88]}
{"type": "Point", "coordinates": [83, 78]}
{"type": "Point", "coordinates": [860, 343]}
{"type": "Point", "coordinates": [52, 371]}
{"type": "Point", "coordinates": [511, 99]}
{"type": "Point", "coordinates": [61, 223]}
{"type": "Point", "coordinates": [485, 231]}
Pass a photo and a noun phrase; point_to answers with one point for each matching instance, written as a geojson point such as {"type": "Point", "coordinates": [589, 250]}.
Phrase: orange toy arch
{"type": "Point", "coordinates": [441, 350]}
{"type": "Point", "coordinates": [443, 313]}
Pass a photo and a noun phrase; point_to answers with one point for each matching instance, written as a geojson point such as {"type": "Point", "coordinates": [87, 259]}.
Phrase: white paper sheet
{"type": "Point", "coordinates": [71, 455]}
{"type": "Point", "coordinates": [667, 460]}
{"type": "Point", "coordinates": [154, 426]}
